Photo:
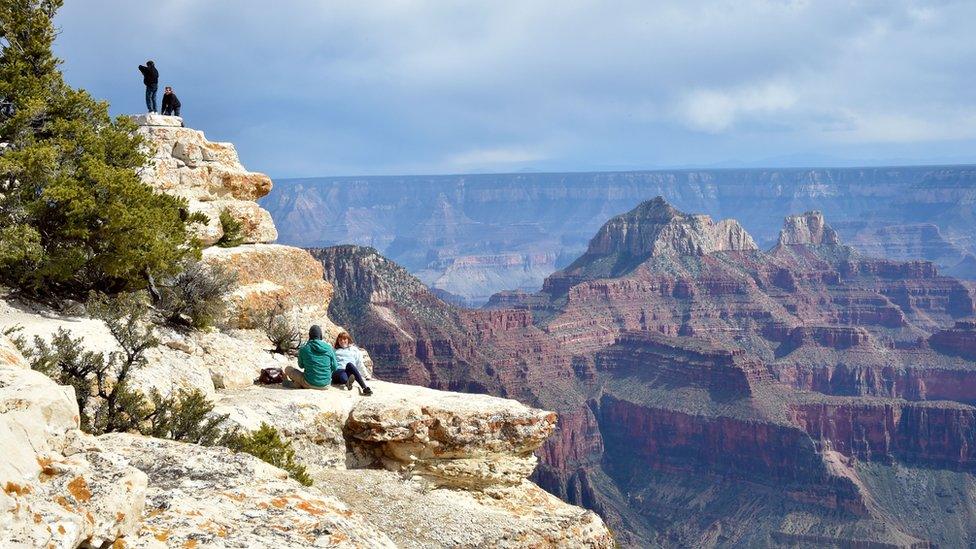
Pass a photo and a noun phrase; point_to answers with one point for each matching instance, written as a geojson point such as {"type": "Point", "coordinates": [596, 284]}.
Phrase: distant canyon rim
{"type": "Point", "coordinates": [470, 236]}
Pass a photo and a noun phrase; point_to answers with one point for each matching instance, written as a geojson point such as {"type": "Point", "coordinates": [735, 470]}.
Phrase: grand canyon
{"type": "Point", "coordinates": [470, 236]}
{"type": "Point", "coordinates": [712, 390]}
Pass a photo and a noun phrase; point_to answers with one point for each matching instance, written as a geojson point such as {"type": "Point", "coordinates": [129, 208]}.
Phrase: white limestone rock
{"type": "Point", "coordinates": [154, 119]}
{"type": "Point", "coordinates": [57, 485]}
{"type": "Point", "coordinates": [417, 516]}
{"type": "Point", "coordinates": [214, 497]}
{"type": "Point", "coordinates": [208, 175]}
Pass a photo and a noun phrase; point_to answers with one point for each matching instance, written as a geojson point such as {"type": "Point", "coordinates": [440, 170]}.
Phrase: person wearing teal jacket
{"type": "Point", "coordinates": [317, 361]}
{"type": "Point", "coordinates": [320, 367]}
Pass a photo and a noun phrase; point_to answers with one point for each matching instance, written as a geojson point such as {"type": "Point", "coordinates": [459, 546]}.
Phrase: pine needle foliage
{"type": "Point", "coordinates": [75, 216]}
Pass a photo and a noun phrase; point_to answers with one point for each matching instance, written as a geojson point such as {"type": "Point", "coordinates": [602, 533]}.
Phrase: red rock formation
{"type": "Point", "coordinates": [688, 354]}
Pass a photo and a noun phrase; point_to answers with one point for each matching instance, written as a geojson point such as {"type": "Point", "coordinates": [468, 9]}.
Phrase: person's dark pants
{"type": "Point", "coordinates": [171, 111]}
{"type": "Point", "coordinates": [340, 377]}
{"type": "Point", "coordinates": [151, 98]}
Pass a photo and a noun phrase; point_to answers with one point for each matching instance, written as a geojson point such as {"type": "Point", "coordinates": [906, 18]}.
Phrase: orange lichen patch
{"type": "Point", "coordinates": [38, 518]}
{"type": "Point", "coordinates": [118, 544]}
{"type": "Point", "coordinates": [233, 496]}
{"type": "Point", "coordinates": [263, 505]}
{"type": "Point", "coordinates": [48, 470]}
{"type": "Point", "coordinates": [16, 489]}
{"type": "Point", "coordinates": [339, 537]}
{"type": "Point", "coordinates": [279, 502]}
{"type": "Point", "coordinates": [63, 502]}
{"type": "Point", "coordinates": [120, 516]}
{"type": "Point", "coordinates": [61, 529]}
{"type": "Point", "coordinates": [190, 544]}
{"type": "Point", "coordinates": [162, 536]}
{"type": "Point", "coordinates": [310, 509]}
{"type": "Point", "coordinates": [79, 489]}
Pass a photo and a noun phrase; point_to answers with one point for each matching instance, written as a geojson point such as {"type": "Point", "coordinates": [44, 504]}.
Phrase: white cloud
{"type": "Point", "coordinates": [372, 87]}
{"type": "Point", "coordinates": [494, 158]}
{"type": "Point", "coordinates": [716, 111]}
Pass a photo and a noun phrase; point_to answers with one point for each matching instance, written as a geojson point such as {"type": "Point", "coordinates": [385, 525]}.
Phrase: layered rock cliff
{"type": "Point", "coordinates": [730, 396]}
{"type": "Point", "coordinates": [431, 224]}
{"type": "Point", "coordinates": [406, 467]}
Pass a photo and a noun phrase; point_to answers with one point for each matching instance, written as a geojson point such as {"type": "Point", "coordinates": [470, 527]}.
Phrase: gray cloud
{"type": "Point", "coordinates": [306, 87]}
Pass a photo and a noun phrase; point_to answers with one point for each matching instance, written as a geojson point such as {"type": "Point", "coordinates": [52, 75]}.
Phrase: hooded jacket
{"type": "Point", "coordinates": [171, 101]}
{"type": "Point", "coordinates": [150, 76]}
{"type": "Point", "coordinates": [317, 358]}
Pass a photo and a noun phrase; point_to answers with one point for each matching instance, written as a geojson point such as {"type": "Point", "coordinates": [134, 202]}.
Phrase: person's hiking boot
{"type": "Point", "coordinates": [367, 391]}
{"type": "Point", "coordinates": [350, 382]}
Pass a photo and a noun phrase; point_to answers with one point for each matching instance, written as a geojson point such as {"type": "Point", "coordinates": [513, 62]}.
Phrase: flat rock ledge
{"type": "Point", "coordinates": [454, 440]}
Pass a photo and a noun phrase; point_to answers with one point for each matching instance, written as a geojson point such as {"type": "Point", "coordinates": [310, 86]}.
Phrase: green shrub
{"type": "Point", "coordinates": [232, 231]}
{"type": "Point", "coordinates": [76, 216]}
{"type": "Point", "coordinates": [194, 297]}
{"type": "Point", "coordinates": [268, 445]}
{"type": "Point", "coordinates": [186, 416]}
{"type": "Point", "coordinates": [105, 402]}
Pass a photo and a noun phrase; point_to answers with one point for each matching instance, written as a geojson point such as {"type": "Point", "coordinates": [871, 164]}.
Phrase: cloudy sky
{"type": "Point", "coordinates": [319, 87]}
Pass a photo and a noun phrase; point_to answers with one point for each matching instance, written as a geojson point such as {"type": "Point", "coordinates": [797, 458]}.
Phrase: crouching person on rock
{"type": "Point", "coordinates": [319, 366]}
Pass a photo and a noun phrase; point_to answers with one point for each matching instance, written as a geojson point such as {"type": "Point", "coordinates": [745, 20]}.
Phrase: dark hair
{"type": "Point", "coordinates": [342, 335]}
{"type": "Point", "coordinates": [315, 332]}
{"type": "Point", "coordinates": [150, 63]}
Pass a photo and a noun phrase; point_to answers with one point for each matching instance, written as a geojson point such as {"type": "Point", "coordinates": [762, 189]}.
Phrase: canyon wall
{"type": "Point", "coordinates": [710, 393]}
{"type": "Point", "coordinates": [473, 235]}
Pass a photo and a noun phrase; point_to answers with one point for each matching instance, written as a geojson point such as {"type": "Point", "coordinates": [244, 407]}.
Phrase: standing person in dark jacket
{"type": "Point", "coordinates": [150, 77]}
{"type": "Point", "coordinates": [171, 103]}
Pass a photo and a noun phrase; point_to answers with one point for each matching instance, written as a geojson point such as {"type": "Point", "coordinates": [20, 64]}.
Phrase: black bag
{"type": "Point", "coordinates": [270, 376]}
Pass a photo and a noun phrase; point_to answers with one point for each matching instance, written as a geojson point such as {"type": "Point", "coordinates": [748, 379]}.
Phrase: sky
{"type": "Point", "coordinates": [326, 88]}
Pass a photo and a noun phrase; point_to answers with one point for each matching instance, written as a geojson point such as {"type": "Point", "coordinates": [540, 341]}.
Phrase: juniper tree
{"type": "Point", "coordinates": [74, 215]}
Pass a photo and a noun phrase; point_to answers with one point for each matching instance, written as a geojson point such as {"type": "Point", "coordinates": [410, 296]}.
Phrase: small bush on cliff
{"type": "Point", "coordinates": [105, 401]}
{"type": "Point", "coordinates": [194, 297]}
{"type": "Point", "coordinates": [186, 416]}
{"type": "Point", "coordinates": [268, 445]}
{"type": "Point", "coordinates": [74, 213]}
{"type": "Point", "coordinates": [281, 331]}
{"type": "Point", "coordinates": [233, 230]}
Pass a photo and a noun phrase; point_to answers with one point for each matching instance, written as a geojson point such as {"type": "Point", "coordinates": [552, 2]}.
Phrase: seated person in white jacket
{"type": "Point", "coordinates": [350, 358]}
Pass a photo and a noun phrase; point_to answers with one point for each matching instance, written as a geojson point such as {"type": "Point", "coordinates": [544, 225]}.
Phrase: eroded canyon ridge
{"type": "Point", "coordinates": [710, 392]}
{"type": "Point", "coordinates": [469, 236]}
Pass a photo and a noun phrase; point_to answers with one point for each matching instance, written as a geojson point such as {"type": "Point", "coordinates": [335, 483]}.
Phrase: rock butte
{"type": "Point", "coordinates": [709, 392]}
{"type": "Point", "coordinates": [473, 235]}
{"type": "Point", "coordinates": [381, 463]}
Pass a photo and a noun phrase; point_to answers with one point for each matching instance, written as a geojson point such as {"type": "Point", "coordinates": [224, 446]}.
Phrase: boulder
{"type": "Point", "coordinates": [215, 497]}
{"type": "Point", "coordinates": [271, 276]}
{"type": "Point", "coordinates": [256, 223]}
{"type": "Point", "coordinates": [451, 439]}
{"type": "Point", "coordinates": [58, 486]}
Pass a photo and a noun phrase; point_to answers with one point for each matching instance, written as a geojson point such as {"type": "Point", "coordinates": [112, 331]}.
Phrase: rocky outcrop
{"type": "Point", "coordinates": [208, 175]}
{"type": "Point", "coordinates": [214, 497]}
{"type": "Point", "coordinates": [453, 440]}
{"type": "Point", "coordinates": [655, 228]}
{"type": "Point", "coordinates": [271, 278]}
{"type": "Point", "coordinates": [58, 486]}
{"type": "Point", "coordinates": [466, 453]}
{"type": "Point", "coordinates": [808, 229]}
